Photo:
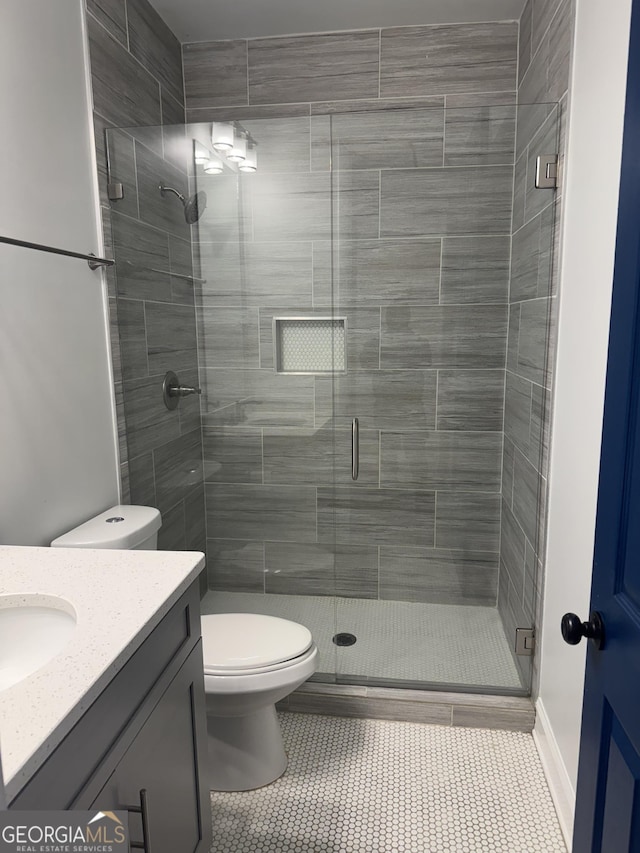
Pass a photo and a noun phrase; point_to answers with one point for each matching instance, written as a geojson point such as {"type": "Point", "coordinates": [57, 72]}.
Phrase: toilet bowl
{"type": "Point", "coordinates": [251, 661]}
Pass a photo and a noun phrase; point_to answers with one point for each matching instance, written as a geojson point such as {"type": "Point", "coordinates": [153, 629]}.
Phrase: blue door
{"type": "Point", "coordinates": [608, 795]}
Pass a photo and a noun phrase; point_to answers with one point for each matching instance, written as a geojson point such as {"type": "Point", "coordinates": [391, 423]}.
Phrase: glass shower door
{"type": "Point", "coordinates": [419, 270]}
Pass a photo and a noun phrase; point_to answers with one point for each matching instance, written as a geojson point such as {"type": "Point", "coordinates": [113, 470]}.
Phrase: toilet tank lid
{"type": "Point", "coordinates": [122, 526]}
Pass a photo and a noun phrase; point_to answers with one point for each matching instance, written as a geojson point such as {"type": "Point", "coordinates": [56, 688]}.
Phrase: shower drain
{"type": "Point", "coordinates": [344, 639]}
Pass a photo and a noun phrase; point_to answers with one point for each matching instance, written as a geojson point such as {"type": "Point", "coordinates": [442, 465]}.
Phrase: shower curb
{"type": "Point", "coordinates": [474, 710]}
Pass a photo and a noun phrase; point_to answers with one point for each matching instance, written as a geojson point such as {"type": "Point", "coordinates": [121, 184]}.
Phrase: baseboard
{"type": "Point", "coordinates": [562, 792]}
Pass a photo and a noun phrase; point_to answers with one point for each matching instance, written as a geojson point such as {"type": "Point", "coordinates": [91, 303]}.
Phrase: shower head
{"type": "Point", "coordinates": [194, 206]}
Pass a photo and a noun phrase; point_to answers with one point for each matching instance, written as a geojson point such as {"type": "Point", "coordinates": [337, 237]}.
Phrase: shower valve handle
{"type": "Point", "coordinates": [173, 391]}
{"type": "Point", "coordinates": [183, 390]}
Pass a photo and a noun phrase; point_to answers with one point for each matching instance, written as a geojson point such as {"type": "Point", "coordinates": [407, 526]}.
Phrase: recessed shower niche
{"type": "Point", "coordinates": [310, 344]}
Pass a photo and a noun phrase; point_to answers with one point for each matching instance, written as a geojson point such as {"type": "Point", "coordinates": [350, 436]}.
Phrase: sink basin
{"type": "Point", "coordinates": [33, 630]}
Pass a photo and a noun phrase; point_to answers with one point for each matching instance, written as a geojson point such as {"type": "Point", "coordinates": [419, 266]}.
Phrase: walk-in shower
{"type": "Point", "coordinates": [390, 268]}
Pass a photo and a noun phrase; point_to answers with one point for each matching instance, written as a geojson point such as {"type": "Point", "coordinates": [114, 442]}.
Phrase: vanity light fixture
{"type": "Point", "coordinates": [250, 163]}
{"type": "Point", "coordinates": [213, 167]}
{"type": "Point", "coordinates": [201, 155]}
{"type": "Point", "coordinates": [238, 153]}
{"type": "Point", "coordinates": [222, 136]}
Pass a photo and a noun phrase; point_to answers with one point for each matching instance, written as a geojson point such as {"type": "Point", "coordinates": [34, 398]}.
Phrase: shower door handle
{"type": "Point", "coordinates": [355, 449]}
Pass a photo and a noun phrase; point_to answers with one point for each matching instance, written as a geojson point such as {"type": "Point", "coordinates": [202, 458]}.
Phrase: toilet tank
{"type": "Point", "coordinates": [122, 527]}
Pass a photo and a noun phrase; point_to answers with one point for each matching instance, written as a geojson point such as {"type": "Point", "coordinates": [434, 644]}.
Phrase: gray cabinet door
{"type": "Point", "coordinates": [164, 760]}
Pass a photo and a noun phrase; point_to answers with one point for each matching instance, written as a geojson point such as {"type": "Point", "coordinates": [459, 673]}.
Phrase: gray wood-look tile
{"type": "Point", "coordinates": [349, 515]}
{"type": "Point", "coordinates": [528, 496]}
{"type": "Point", "coordinates": [180, 262]}
{"type": "Point", "coordinates": [165, 212]}
{"type": "Point", "coordinates": [349, 571]}
{"type": "Point", "coordinates": [142, 487]}
{"type": "Point", "coordinates": [228, 337]}
{"type": "Point", "coordinates": [517, 411]}
{"type": "Point", "coordinates": [542, 13]}
{"type": "Point", "coordinates": [275, 513]}
{"type": "Point", "coordinates": [283, 143]}
{"type": "Point", "coordinates": [189, 409]}
{"type": "Point", "coordinates": [227, 217]}
{"type": "Point", "coordinates": [470, 399]}
{"type": "Point", "coordinates": [247, 112]}
{"type": "Point", "coordinates": [512, 541]}
{"type": "Point", "coordinates": [256, 398]}
{"type": "Point", "coordinates": [512, 337]}
{"type": "Point", "coordinates": [172, 535]}
{"type": "Point", "coordinates": [443, 336]}
{"type": "Point", "coordinates": [438, 575]}
{"type": "Point", "coordinates": [215, 73]}
{"type": "Point", "coordinates": [124, 93]}
{"type": "Point", "coordinates": [380, 399]}
{"type": "Point", "coordinates": [530, 578]}
{"type": "Point", "coordinates": [370, 140]}
{"type": "Point", "coordinates": [133, 341]}
{"type": "Point", "coordinates": [155, 46]}
{"type": "Point", "coordinates": [468, 520]}
{"type": "Point", "coordinates": [138, 249]}
{"type": "Point", "coordinates": [560, 41]}
{"type": "Point", "coordinates": [232, 455]}
{"type": "Point", "coordinates": [446, 202]}
{"type": "Point", "coordinates": [234, 565]}
{"type": "Point", "coordinates": [377, 272]}
{"type": "Point", "coordinates": [255, 274]}
{"type": "Point", "coordinates": [195, 525]}
{"type": "Point", "coordinates": [475, 269]}
{"type": "Point", "coordinates": [370, 709]}
{"type": "Point", "coordinates": [377, 105]}
{"type": "Point", "coordinates": [535, 330]}
{"type": "Point", "coordinates": [176, 147]}
{"type": "Point", "coordinates": [322, 457]}
{"type": "Point", "coordinates": [538, 453]}
{"type": "Point", "coordinates": [464, 461]}
{"type": "Point", "coordinates": [483, 718]}
{"type": "Point", "coordinates": [362, 339]}
{"type": "Point", "coordinates": [171, 337]}
{"type": "Point", "coordinates": [112, 15]}
{"type": "Point", "coordinates": [149, 422]}
{"type": "Point", "coordinates": [519, 191]}
{"type": "Point", "coordinates": [125, 490]}
{"type": "Point", "coordinates": [299, 207]}
{"type": "Point", "coordinates": [479, 135]}
{"type": "Point", "coordinates": [448, 58]}
{"type": "Point", "coordinates": [123, 170]}
{"type": "Point", "coordinates": [177, 469]}
{"type": "Point", "coordinates": [507, 471]}
{"type": "Point", "coordinates": [314, 68]}
{"type": "Point", "coordinates": [524, 40]}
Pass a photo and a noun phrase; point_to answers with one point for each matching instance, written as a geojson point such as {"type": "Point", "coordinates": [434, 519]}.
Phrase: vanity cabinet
{"type": "Point", "coordinates": [141, 746]}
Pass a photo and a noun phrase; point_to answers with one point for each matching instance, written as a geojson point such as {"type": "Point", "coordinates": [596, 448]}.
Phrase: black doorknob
{"type": "Point", "coordinates": [573, 630]}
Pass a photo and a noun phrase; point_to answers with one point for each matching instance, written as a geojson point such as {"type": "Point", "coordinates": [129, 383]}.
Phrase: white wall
{"type": "Point", "coordinates": [591, 185]}
{"type": "Point", "coordinates": [58, 458]}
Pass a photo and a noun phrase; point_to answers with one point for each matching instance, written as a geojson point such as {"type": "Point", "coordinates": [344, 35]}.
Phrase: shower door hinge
{"type": "Point", "coordinates": [546, 171]}
{"type": "Point", "coordinates": [115, 191]}
{"type": "Point", "coordinates": [525, 641]}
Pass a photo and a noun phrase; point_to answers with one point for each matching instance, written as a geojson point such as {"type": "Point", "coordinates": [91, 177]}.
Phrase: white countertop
{"type": "Point", "coordinates": [119, 597]}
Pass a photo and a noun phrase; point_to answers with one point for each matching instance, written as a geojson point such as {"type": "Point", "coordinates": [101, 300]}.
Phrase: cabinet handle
{"type": "Point", "coordinates": [142, 810]}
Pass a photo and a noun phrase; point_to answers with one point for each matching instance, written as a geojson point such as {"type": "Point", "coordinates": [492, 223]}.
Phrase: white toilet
{"type": "Point", "coordinates": [250, 663]}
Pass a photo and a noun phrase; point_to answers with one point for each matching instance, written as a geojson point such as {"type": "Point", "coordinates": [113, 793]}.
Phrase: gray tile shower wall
{"type": "Point", "coordinates": [137, 83]}
{"type": "Point", "coordinates": [544, 50]}
{"type": "Point", "coordinates": [384, 186]}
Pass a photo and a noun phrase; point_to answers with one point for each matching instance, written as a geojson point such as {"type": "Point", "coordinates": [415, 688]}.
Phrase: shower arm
{"type": "Point", "coordinates": [164, 190]}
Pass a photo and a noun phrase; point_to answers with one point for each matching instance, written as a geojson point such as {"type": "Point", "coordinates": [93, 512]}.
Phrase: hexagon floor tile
{"type": "Point", "coordinates": [371, 786]}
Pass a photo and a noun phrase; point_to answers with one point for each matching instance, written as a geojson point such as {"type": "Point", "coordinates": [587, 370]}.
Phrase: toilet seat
{"type": "Point", "coordinates": [237, 644]}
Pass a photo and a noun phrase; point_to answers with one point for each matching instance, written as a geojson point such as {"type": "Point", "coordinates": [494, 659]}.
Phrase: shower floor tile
{"type": "Point", "coordinates": [371, 786]}
{"type": "Point", "coordinates": [438, 644]}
